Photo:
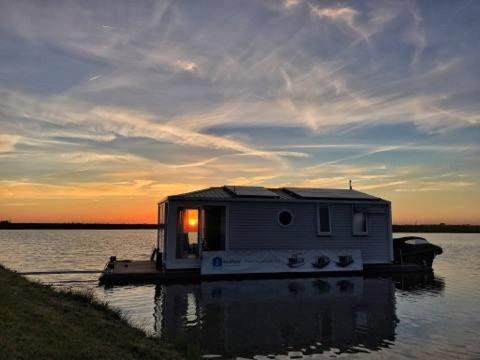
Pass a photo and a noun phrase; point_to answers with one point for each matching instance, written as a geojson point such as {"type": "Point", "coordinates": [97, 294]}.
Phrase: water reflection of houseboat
{"type": "Point", "coordinates": [245, 318]}
{"type": "Point", "coordinates": [419, 282]}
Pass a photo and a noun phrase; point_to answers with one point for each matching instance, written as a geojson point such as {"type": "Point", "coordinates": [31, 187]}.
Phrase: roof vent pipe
{"type": "Point", "coordinates": [350, 184]}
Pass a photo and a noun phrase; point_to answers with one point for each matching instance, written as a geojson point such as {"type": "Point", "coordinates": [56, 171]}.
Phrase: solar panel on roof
{"type": "Point", "coordinates": [309, 193]}
{"type": "Point", "coordinates": [251, 191]}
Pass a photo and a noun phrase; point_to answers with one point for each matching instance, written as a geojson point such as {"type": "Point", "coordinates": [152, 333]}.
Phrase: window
{"type": "Point", "coordinates": [323, 220]}
{"type": "Point", "coordinates": [285, 218]}
{"type": "Point", "coordinates": [416, 242]}
{"type": "Point", "coordinates": [187, 233]}
{"type": "Point", "coordinates": [161, 214]}
{"type": "Point", "coordinates": [359, 222]}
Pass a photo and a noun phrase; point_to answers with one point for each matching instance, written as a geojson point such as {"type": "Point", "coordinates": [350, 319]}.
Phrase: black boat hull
{"type": "Point", "coordinates": [415, 250]}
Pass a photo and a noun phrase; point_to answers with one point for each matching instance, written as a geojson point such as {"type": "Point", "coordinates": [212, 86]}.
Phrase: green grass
{"type": "Point", "coordinates": [39, 322]}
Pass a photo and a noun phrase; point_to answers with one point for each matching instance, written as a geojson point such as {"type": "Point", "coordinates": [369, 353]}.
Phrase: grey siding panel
{"type": "Point", "coordinates": [256, 227]}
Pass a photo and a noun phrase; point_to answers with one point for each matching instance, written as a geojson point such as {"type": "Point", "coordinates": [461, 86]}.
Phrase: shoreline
{"type": "Point", "coordinates": [39, 321]}
{"type": "Point", "coordinates": [403, 228]}
{"type": "Point", "coordinates": [437, 228]}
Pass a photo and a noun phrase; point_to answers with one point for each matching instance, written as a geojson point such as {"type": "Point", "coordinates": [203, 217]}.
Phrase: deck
{"type": "Point", "coordinates": [124, 267]}
{"type": "Point", "coordinates": [128, 271]}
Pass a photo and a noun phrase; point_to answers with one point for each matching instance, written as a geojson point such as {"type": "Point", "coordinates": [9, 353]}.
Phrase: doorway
{"type": "Point", "coordinates": [214, 228]}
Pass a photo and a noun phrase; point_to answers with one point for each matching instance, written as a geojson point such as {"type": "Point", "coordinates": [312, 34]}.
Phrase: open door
{"type": "Point", "coordinates": [214, 228]}
{"type": "Point", "coordinates": [198, 229]}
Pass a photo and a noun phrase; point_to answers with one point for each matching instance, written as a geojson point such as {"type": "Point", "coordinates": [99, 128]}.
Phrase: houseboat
{"type": "Point", "coordinates": [250, 230]}
{"type": "Point", "coordinates": [240, 229]}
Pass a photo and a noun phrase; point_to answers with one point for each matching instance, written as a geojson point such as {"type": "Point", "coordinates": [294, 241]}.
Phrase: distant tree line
{"type": "Point", "coordinates": [7, 225]}
{"type": "Point", "coordinates": [437, 228]}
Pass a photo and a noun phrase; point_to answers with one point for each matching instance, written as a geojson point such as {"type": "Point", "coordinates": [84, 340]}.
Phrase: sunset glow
{"type": "Point", "coordinates": [190, 222]}
{"type": "Point", "coordinates": [105, 111]}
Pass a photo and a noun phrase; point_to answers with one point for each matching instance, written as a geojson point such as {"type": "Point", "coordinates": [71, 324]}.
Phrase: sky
{"type": "Point", "coordinates": [108, 106]}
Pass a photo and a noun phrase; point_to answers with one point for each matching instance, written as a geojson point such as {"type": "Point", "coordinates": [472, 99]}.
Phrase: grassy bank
{"type": "Point", "coordinates": [38, 322]}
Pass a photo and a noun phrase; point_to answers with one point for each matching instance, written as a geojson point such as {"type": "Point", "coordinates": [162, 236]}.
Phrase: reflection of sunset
{"type": "Point", "coordinates": [190, 222]}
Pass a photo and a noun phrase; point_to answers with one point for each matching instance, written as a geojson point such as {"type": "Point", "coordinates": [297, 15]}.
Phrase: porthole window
{"type": "Point", "coordinates": [285, 217]}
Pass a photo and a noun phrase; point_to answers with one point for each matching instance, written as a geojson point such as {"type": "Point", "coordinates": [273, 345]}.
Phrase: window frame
{"type": "Point", "coordinates": [365, 215]}
{"type": "Point", "coordinates": [162, 227]}
{"type": "Point", "coordinates": [291, 215]}
{"type": "Point", "coordinates": [319, 232]}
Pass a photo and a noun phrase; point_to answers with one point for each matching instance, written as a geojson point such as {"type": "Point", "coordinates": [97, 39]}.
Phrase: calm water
{"type": "Point", "coordinates": [404, 317]}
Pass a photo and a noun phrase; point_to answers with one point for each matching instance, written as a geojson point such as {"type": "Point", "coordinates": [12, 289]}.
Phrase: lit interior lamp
{"type": "Point", "coordinates": [190, 220]}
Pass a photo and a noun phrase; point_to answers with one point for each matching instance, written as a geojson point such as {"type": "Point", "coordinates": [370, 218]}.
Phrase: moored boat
{"type": "Point", "coordinates": [415, 250]}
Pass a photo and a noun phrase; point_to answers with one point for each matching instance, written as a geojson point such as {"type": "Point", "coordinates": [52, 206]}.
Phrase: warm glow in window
{"type": "Point", "coordinates": [190, 220]}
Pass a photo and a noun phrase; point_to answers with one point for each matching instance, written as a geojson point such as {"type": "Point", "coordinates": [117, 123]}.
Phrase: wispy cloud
{"type": "Point", "coordinates": [7, 142]}
{"type": "Point", "coordinates": [194, 164]}
{"type": "Point", "coordinates": [416, 35]}
{"type": "Point", "coordinates": [91, 190]}
{"type": "Point", "coordinates": [119, 122]}
{"type": "Point", "coordinates": [93, 157]}
{"type": "Point", "coordinates": [438, 186]}
{"type": "Point", "coordinates": [95, 77]}
{"type": "Point", "coordinates": [363, 26]}
{"type": "Point", "coordinates": [341, 14]}
{"type": "Point", "coordinates": [186, 65]}
{"type": "Point", "coordinates": [291, 3]}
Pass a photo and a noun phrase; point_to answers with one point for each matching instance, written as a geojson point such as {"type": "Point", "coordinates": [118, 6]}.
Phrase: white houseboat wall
{"type": "Point", "coordinates": [237, 229]}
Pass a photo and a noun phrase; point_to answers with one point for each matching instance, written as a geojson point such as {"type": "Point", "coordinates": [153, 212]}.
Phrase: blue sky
{"type": "Point", "coordinates": [120, 103]}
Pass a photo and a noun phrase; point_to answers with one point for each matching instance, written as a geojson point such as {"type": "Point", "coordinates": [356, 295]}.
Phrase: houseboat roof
{"type": "Point", "coordinates": [260, 193]}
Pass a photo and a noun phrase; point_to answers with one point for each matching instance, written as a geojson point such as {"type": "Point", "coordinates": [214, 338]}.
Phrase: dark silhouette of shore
{"type": "Point", "coordinates": [437, 228]}
{"type": "Point", "coordinates": [7, 225]}
{"type": "Point", "coordinates": [407, 228]}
